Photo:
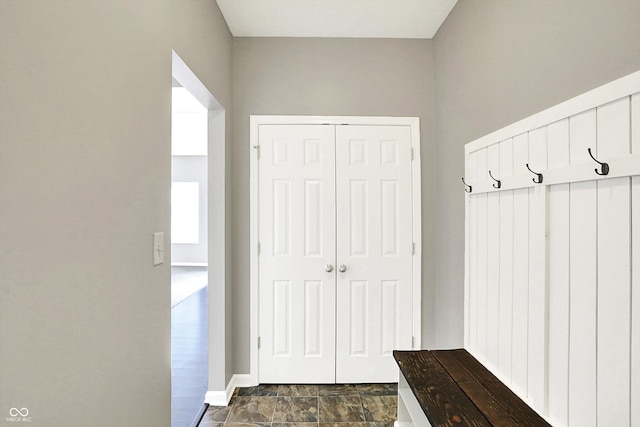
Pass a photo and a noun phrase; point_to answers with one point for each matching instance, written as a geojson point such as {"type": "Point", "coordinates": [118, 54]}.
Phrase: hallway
{"type": "Point", "coordinates": [189, 353]}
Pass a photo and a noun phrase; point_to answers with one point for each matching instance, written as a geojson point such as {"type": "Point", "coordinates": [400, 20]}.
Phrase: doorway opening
{"type": "Point", "coordinates": [198, 246]}
{"type": "Point", "coordinates": [189, 317]}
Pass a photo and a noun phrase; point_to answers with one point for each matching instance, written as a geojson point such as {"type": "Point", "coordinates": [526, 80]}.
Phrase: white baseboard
{"type": "Point", "coordinates": [222, 397]}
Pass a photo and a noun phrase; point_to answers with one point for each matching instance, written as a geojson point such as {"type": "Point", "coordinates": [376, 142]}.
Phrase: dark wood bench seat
{"type": "Point", "coordinates": [453, 389]}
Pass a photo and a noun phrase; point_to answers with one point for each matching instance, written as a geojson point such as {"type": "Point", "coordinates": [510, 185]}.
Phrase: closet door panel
{"type": "Point", "coordinates": [559, 203]}
{"type": "Point", "coordinates": [582, 266]}
{"type": "Point", "coordinates": [374, 244]}
{"type": "Point", "coordinates": [614, 274]}
{"type": "Point", "coordinates": [297, 236]}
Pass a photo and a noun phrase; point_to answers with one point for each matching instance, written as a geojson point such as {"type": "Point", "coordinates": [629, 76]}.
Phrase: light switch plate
{"type": "Point", "coordinates": [158, 248]}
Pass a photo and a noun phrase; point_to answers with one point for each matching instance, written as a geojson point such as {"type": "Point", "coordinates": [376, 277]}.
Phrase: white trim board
{"type": "Point", "coordinates": [223, 397]}
{"type": "Point", "coordinates": [255, 122]}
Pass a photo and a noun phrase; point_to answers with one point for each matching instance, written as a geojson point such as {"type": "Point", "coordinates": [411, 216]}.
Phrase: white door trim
{"type": "Point", "coordinates": [255, 122]}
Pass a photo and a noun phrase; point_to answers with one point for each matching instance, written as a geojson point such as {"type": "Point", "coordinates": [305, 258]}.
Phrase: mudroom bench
{"type": "Point", "coordinates": [451, 388]}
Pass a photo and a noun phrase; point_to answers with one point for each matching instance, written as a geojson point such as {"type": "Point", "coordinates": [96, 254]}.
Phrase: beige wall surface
{"type": "Point", "coordinates": [351, 77]}
{"type": "Point", "coordinates": [85, 172]}
{"type": "Point", "coordinates": [496, 62]}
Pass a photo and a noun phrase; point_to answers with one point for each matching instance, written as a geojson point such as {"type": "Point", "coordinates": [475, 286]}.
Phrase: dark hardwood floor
{"type": "Point", "coordinates": [189, 358]}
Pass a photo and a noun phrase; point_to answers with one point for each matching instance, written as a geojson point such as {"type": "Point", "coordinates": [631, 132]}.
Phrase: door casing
{"type": "Point", "coordinates": [255, 121]}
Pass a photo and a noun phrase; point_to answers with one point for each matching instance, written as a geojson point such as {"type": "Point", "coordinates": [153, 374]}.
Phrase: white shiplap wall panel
{"type": "Point", "coordinates": [614, 275]}
{"type": "Point", "coordinates": [505, 315]}
{"type": "Point", "coordinates": [635, 287]}
{"type": "Point", "coordinates": [635, 298]}
{"type": "Point", "coordinates": [537, 274]}
{"type": "Point", "coordinates": [481, 275]}
{"type": "Point", "coordinates": [472, 333]}
{"type": "Point", "coordinates": [568, 282]}
{"type": "Point", "coordinates": [582, 270]}
{"type": "Point", "coordinates": [472, 250]}
{"type": "Point", "coordinates": [481, 278]}
{"type": "Point", "coordinates": [558, 265]}
{"type": "Point", "coordinates": [493, 267]}
{"type": "Point", "coordinates": [520, 354]}
{"type": "Point", "coordinates": [582, 338]}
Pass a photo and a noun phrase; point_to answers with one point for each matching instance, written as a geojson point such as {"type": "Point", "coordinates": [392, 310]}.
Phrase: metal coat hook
{"type": "Point", "coordinates": [538, 178]}
{"type": "Point", "coordinates": [604, 166]}
{"type": "Point", "coordinates": [467, 187]}
{"type": "Point", "coordinates": [499, 183]}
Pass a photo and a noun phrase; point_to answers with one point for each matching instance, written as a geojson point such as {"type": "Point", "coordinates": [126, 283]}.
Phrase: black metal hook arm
{"type": "Point", "coordinates": [467, 187]}
{"type": "Point", "coordinates": [498, 182]}
{"type": "Point", "coordinates": [538, 178]}
{"type": "Point", "coordinates": [604, 166]}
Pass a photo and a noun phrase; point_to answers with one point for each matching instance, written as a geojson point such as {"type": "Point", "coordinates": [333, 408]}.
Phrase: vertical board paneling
{"type": "Point", "coordinates": [472, 310]}
{"type": "Point", "coordinates": [614, 276]}
{"type": "Point", "coordinates": [537, 367]}
{"type": "Point", "coordinates": [553, 282]}
{"type": "Point", "coordinates": [506, 264]}
{"type": "Point", "coordinates": [493, 269]}
{"type": "Point", "coordinates": [558, 262]}
{"type": "Point", "coordinates": [473, 274]}
{"type": "Point", "coordinates": [468, 167]}
{"type": "Point", "coordinates": [519, 364]}
{"type": "Point", "coordinates": [582, 270]}
{"type": "Point", "coordinates": [481, 278]}
{"type": "Point", "coordinates": [635, 296]}
{"type": "Point", "coordinates": [582, 338]}
{"type": "Point", "coordinates": [481, 275]}
{"type": "Point", "coordinates": [635, 288]}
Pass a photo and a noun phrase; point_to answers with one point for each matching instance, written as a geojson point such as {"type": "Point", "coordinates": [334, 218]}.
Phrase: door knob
{"type": "Point", "coordinates": [328, 268]}
{"type": "Point", "coordinates": [342, 268]}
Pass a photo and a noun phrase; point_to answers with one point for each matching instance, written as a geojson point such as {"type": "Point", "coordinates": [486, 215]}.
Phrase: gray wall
{"type": "Point", "coordinates": [85, 172]}
{"type": "Point", "coordinates": [498, 61]}
{"type": "Point", "coordinates": [202, 39]}
{"type": "Point", "coordinates": [327, 77]}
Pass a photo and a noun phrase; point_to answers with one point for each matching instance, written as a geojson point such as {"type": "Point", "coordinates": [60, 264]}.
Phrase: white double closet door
{"type": "Point", "coordinates": [335, 265]}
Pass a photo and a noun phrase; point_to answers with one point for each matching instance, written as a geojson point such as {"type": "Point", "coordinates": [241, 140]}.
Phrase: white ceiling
{"type": "Point", "coordinates": [336, 18]}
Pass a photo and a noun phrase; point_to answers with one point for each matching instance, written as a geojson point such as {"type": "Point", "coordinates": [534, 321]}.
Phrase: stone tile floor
{"type": "Point", "coordinates": [352, 405]}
